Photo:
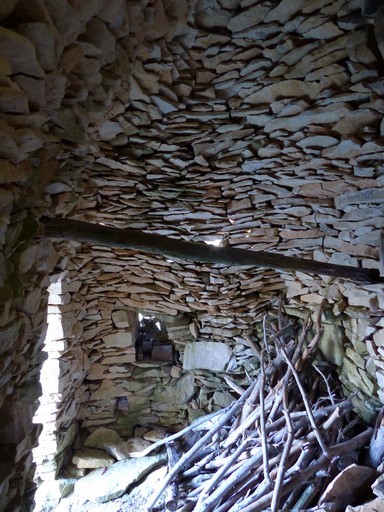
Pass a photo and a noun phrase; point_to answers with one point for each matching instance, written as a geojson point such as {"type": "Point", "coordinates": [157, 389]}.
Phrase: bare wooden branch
{"type": "Point", "coordinates": [325, 380]}
{"type": "Point", "coordinates": [193, 426]}
{"type": "Point", "coordinates": [305, 401]}
{"type": "Point", "coordinates": [252, 401]}
{"type": "Point", "coordinates": [246, 424]}
{"type": "Point", "coordinates": [275, 502]}
{"type": "Point", "coordinates": [186, 457]}
{"type": "Point", "coordinates": [220, 492]}
{"type": "Point", "coordinates": [262, 418]}
{"type": "Point", "coordinates": [236, 388]}
{"type": "Point", "coordinates": [267, 459]}
{"type": "Point", "coordinates": [251, 344]}
{"type": "Point", "coordinates": [220, 474]}
{"type": "Point", "coordinates": [172, 495]}
{"type": "Point", "coordinates": [307, 353]}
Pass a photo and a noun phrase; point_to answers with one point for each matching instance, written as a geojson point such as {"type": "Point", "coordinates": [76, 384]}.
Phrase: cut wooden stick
{"type": "Point", "coordinates": [275, 502]}
{"type": "Point", "coordinates": [220, 473]}
{"type": "Point", "coordinates": [208, 436]}
{"type": "Point", "coordinates": [197, 424]}
{"type": "Point", "coordinates": [305, 401]}
{"type": "Point", "coordinates": [172, 495]}
{"type": "Point", "coordinates": [250, 505]}
{"type": "Point", "coordinates": [264, 442]}
{"type": "Point", "coordinates": [255, 464]}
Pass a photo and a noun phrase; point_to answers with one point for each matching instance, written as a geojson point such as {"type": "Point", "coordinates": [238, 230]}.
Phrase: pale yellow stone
{"type": "Point", "coordinates": [92, 458]}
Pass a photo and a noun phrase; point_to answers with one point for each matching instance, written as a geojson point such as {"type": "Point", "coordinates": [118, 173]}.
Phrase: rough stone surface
{"type": "Point", "coordinates": [92, 458]}
{"type": "Point", "coordinates": [101, 436]}
{"type": "Point", "coordinates": [258, 124]}
{"type": "Point", "coordinates": [100, 486]}
{"type": "Point", "coordinates": [206, 355]}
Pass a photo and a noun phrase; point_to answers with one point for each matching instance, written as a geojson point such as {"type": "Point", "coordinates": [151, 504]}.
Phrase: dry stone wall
{"type": "Point", "coordinates": [54, 83]}
{"type": "Point", "coordinates": [93, 366]}
{"type": "Point", "coordinates": [111, 286]}
{"type": "Point", "coordinates": [23, 305]}
{"type": "Point", "coordinates": [258, 127]}
{"type": "Point", "coordinates": [257, 123]}
{"type": "Point", "coordinates": [61, 376]}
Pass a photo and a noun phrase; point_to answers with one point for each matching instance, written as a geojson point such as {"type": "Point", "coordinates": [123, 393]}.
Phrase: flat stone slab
{"type": "Point", "coordinates": [91, 458]}
{"type": "Point", "coordinates": [102, 436]}
{"type": "Point", "coordinates": [207, 355]}
{"type": "Point", "coordinates": [109, 483]}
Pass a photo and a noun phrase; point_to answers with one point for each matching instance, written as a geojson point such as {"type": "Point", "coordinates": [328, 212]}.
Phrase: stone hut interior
{"type": "Point", "coordinates": [146, 147]}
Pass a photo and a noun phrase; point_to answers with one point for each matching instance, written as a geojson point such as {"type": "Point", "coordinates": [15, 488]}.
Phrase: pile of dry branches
{"type": "Point", "coordinates": [278, 446]}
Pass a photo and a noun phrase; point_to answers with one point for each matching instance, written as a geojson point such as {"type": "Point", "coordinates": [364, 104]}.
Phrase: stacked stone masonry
{"type": "Point", "coordinates": [257, 123]}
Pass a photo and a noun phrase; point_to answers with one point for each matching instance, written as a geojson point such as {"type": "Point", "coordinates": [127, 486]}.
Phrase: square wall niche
{"type": "Point", "coordinates": [142, 337]}
{"type": "Point", "coordinates": [153, 343]}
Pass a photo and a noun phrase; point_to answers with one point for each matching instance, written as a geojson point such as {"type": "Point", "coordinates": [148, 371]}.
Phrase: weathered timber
{"type": "Point", "coordinates": [137, 240]}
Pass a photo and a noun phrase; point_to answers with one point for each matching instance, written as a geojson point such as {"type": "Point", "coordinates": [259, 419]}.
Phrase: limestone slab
{"type": "Point", "coordinates": [103, 485]}
{"type": "Point", "coordinates": [119, 339]}
{"type": "Point", "coordinates": [208, 355]}
{"type": "Point", "coordinates": [92, 458]}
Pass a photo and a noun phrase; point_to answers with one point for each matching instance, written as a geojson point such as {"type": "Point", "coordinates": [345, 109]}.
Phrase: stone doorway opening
{"type": "Point", "coordinates": [48, 455]}
{"type": "Point", "coordinates": [153, 342]}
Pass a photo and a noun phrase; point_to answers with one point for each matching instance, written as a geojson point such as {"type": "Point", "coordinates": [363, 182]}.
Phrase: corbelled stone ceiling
{"type": "Point", "coordinates": [256, 124]}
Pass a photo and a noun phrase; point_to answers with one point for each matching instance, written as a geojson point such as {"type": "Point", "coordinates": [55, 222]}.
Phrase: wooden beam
{"type": "Point", "coordinates": [132, 239]}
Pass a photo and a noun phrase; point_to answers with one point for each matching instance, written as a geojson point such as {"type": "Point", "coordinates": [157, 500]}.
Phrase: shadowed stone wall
{"type": "Point", "coordinates": [258, 123]}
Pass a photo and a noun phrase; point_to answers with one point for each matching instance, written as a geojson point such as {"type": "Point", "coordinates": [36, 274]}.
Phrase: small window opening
{"type": "Point", "coordinates": [153, 343]}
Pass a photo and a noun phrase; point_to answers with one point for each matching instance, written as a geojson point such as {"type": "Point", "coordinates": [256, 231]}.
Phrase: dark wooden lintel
{"type": "Point", "coordinates": [97, 234]}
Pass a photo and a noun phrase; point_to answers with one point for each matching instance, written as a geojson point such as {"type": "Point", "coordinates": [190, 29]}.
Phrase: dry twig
{"type": "Point", "coordinates": [248, 469]}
